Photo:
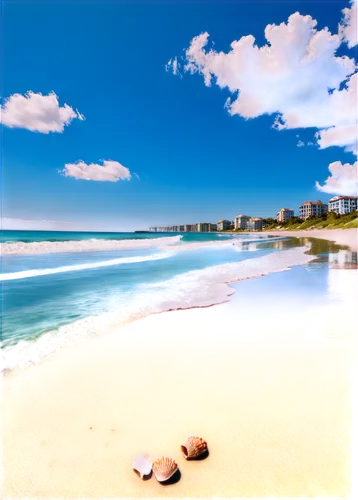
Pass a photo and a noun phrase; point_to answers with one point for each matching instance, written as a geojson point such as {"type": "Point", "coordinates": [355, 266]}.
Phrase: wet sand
{"type": "Point", "coordinates": [266, 381]}
{"type": "Point", "coordinates": [347, 237]}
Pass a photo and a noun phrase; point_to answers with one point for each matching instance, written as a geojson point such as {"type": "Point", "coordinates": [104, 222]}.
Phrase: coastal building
{"type": "Point", "coordinates": [313, 208]}
{"type": "Point", "coordinates": [342, 204]}
{"type": "Point", "coordinates": [284, 214]}
{"type": "Point", "coordinates": [241, 221]}
{"type": "Point", "coordinates": [254, 224]}
{"type": "Point", "coordinates": [224, 224]}
{"type": "Point", "coordinates": [205, 227]}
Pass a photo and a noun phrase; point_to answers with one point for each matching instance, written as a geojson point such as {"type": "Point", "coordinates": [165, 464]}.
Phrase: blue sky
{"type": "Point", "coordinates": [194, 160]}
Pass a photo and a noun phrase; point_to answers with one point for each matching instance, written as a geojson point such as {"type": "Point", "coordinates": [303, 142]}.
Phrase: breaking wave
{"type": "Point", "coordinates": [79, 267]}
{"type": "Point", "coordinates": [200, 288]}
{"type": "Point", "coordinates": [91, 245]}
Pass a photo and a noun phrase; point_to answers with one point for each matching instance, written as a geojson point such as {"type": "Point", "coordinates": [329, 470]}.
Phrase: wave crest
{"type": "Point", "coordinates": [91, 245]}
{"type": "Point", "coordinates": [79, 267]}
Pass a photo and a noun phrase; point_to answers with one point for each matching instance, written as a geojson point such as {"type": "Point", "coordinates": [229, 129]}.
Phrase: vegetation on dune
{"type": "Point", "coordinates": [326, 221]}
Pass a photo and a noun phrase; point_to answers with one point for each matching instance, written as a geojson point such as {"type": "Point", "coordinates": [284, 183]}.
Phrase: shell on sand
{"type": "Point", "coordinates": [164, 468]}
{"type": "Point", "coordinates": [143, 464]}
{"type": "Point", "coordinates": [194, 446]}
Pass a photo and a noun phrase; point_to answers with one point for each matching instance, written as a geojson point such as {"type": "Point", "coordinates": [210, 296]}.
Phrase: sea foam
{"type": "Point", "coordinates": [91, 245]}
{"type": "Point", "coordinates": [211, 285]}
{"type": "Point", "coordinates": [79, 267]}
{"type": "Point", "coordinates": [199, 288]}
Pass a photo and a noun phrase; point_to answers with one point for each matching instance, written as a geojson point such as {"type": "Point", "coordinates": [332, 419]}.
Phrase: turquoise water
{"type": "Point", "coordinates": [65, 287]}
{"type": "Point", "coordinates": [28, 236]}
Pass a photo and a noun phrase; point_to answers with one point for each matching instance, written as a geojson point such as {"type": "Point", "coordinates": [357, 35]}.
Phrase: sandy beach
{"type": "Point", "coordinates": [275, 412]}
{"type": "Point", "coordinates": [268, 387]}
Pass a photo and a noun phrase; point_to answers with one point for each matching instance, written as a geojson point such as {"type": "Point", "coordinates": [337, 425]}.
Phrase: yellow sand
{"type": "Point", "coordinates": [271, 395]}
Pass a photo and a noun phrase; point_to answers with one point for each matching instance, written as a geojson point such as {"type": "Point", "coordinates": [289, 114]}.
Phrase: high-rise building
{"type": "Point", "coordinates": [224, 225]}
{"type": "Point", "coordinates": [254, 224]}
{"type": "Point", "coordinates": [342, 204]}
{"type": "Point", "coordinates": [284, 214]}
{"type": "Point", "coordinates": [313, 208]}
{"type": "Point", "coordinates": [241, 221]}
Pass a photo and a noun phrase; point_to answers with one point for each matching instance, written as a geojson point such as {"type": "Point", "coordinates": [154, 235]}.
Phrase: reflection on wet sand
{"type": "Point", "coordinates": [343, 259]}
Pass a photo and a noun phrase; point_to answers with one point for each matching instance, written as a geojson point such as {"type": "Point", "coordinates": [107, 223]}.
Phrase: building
{"type": "Point", "coordinates": [342, 204]}
{"type": "Point", "coordinates": [202, 227]}
{"type": "Point", "coordinates": [205, 227]}
{"type": "Point", "coordinates": [241, 221]}
{"type": "Point", "coordinates": [254, 224]}
{"type": "Point", "coordinates": [284, 214]}
{"type": "Point", "coordinates": [224, 224]}
{"type": "Point", "coordinates": [312, 208]}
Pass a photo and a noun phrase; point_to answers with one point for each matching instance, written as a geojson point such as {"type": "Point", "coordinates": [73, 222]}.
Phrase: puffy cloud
{"type": "Point", "coordinates": [296, 76]}
{"type": "Point", "coordinates": [343, 179]}
{"type": "Point", "coordinates": [110, 171]}
{"type": "Point", "coordinates": [37, 112]}
{"type": "Point", "coordinates": [348, 28]}
{"type": "Point", "coordinates": [343, 136]}
{"type": "Point", "coordinates": [339, 107]}
{"type": "Point", "coordinates": [300, 144]}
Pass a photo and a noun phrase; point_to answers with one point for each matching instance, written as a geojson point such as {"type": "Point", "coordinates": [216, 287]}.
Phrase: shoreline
{"type": "Point", "coordinates": [101, 324]}
{"type": "Point", "coordinates": [196, 289]}
{"type": "Point", "coordinates": [270, 392]}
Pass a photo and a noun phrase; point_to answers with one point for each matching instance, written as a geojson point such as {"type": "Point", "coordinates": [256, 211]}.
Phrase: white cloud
{"type": "Point", "coordinates": [343, 136]}
{"type": "Point", "coordinates": [173, 65]}
{"type": "Point", "coordinates": [300, 144]}
{"type": "Point", "coordinates": [340, 107]}
{"type": "Point", "coordinates": [37, 112]}
{"type": "Point", "coordinates": [348, 28]}
{"type": "Point", "coordinates": [343, 179]}
{"type": "Point", "coordinates": [110, 171]}
{"type": "Point", "coordinates": [296, 76]}
{"type": "Point", "coordinates": [29, 224]}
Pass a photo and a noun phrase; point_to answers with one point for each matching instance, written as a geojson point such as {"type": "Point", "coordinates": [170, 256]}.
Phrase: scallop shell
{"type": "Point", "coordinates": [143, 465]}
{"type": "Point", "coordinates": [194, 446]}
{"type": "Point", "coordinates": [164, 468]}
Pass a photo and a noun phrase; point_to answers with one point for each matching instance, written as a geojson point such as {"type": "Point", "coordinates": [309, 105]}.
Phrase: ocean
{"type": "Point", "coordinates": [60, 287]}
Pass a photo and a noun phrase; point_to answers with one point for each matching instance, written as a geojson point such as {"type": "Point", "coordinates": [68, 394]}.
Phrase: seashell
{"type": "Point", "coordinates": [194, 446]}
{"type": "Point", "coordinates": [164, 468]}
{"type": "Point", "coordinates": [143, 465]}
